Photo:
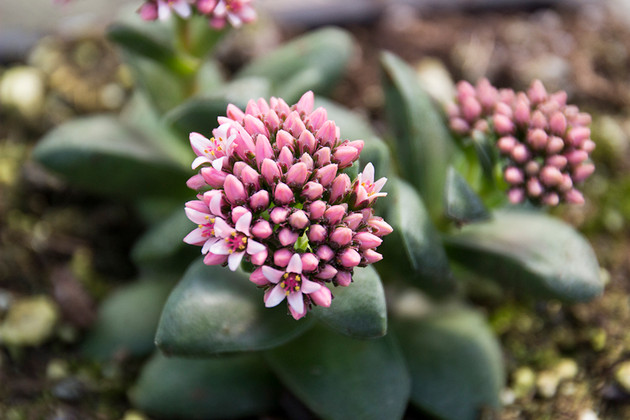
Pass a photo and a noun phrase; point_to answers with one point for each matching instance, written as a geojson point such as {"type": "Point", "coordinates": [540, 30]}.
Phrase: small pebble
{"type": "Point", "coordinates": [69, 390]}
{"type": "Point", "coordinates": [547, 384]}
{"type": "Point", "coordinates": [622, 375]}
{"type": "Point", "coordinates": [57, 369]}
{"type": "Point", "coordinates": [29, 322]}
{"type": "Point", "coordinates": [523, 380]}
{"type": "Point", "coordinates": [566, 369]}
{"type": "Point", "coordinates": [588, 414]}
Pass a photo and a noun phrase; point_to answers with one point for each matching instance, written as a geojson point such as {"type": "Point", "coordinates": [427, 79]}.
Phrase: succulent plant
{"type": "Point", "coordinates": [289, 205]}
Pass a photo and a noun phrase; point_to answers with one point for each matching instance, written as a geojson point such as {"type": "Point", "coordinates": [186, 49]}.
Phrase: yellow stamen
{"type": "Point", "coordinates": [297, 288]}
{"type": "Point", "coordinates": [283, 285]}
{"type": "Point", "coordinates": [287, 293]}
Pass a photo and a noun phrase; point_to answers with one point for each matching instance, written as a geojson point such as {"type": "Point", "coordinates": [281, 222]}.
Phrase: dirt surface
{"type": "Point", "coordinates": [563, 362]}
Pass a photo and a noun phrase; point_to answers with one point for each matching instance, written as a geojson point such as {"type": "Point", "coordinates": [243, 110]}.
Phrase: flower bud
{"type": "Point", "coordinates": [327, 272]}
{"type": "Point", "coordinates": [297, 175]}
{"type": "Point", "coordinates": [313, 190]}
{"type": "Point", "coordinates": [262, 229]}
{"type": "Point", "coordinates": [234, 190]}
{"type": "Point", "coordinates": [371, 256]}
{"type": "Point", "coordinates": [317, 233]}
{"type": "Point", "coordinates": [299, 220]}
{"type": "Point", "coordinates": [341, 236]}
{"type": "Point", "coordinates": [322, 297]}
{"type": "Point", "coordinates": [259, 201]}
{"type": "Point", "coordinates": [349, 258]}
{"type": "Point", "coordinates": [282, 257]}
{"type": "Point", "coordinates": [317, 209]}
{"type": "Point", "coordinates": [287, 237]}
{"type": "Point", "coordinates": [258, 278]}
{"type": "Point", "coordinates": [279, 215]}
{"type": "Point", "coordinates": [367, 240]}
{"type": "Point", "coordinates": [340, 188]}
{"type": "Point", "coordinates": [309, 262]}
{"type": "Point", "coordinates": [343, 278]}
{"type": "Point", "coordinates": [283, 194]}
{"type": "Point", "coordinates": [325, 253]}
{"type": "Point", "coordinates": [334, 214]}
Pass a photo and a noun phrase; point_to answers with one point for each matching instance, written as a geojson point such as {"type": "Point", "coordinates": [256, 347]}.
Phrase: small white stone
{"type": "Point", "coordinates": [588, 414]}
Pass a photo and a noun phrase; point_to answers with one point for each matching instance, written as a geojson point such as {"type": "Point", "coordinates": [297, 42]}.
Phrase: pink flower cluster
{"type": "Point", "coordinates": [545, 143]}
{"type": "Point", "coordinates": [218, 12]}
{"type": "Point", "coordinates": [273, 193]}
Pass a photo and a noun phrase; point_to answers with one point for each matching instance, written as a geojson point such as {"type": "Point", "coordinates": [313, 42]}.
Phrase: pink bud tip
{"type": "Point", "coordinates": [341, 236]}
{"type": "Point", "coordinates": [551, 199]}
{"type": "Point", "coordinates": [539, 120]}
{"type": "Point", "coordinates": [537, 138]}
{"type": "Point", "coordinates": [214, 259]}
{"type": "Point", "coordinates": [327, 134]}
{"type": "Point", "coordinates": [287, 237]}
{"type": "Point", "coordinates": [550, 176]}
{"type": "Point", "coordinates": [334, 214]}
{"type": "Point", "coordinates": [322, 156]}
{"type": "Point", "coordinates": [577, 135]}
{"type": "Point", "coordinates": [558, 123]}
{"type": "Point", "coordinates": [532, 168]}
{"type": "Point", "coordinates": [259, 201]}
{"type": "Point", "coordinates": [313, 190]}
{"type": "Point", "coordinates": [537, 92]}
{"type": "Point", "coordinates": [250, 177]}
{"type": "Point", "coordinates": [380, 226]}
{"type": "Point", "coordinates": [283, 194]}
{"type": "Point", "coordinates": [282, 257]}
{"type": "Point", "coordinates": [234, 190]}
{"type": "Point", "coordinates": [309, 262]}
{"type": "Point", "coordinates": [326, 174]}
{"type": "Point", "coordinates": [284, 139]}
{"type": "Point", "coordinates": [343, 278]}
{"type": "Point", "coordinates": [520, 153]}
{"type": "Point", "coordinates": [583, 171]}
{"type": "Point", "coordinates": [353, 220]}
{"type": "Point", "coordinates": [516, 195]}
{"type": "Point", "coordinates": [196, 182]}
{"type": "Point", "coordinates": [258, 278]}
{"type": "Point", "coordinates": [262, 229]}
{"type": "Point", "coordinates": [555, 145]}
{"type": "Point", "coordinates": [471, 109]}
{"type": "Point", "coordinates": [502, 124]}
{"type": "Point", "coordinates": [299, 220]}
{"type": "Point", "coordinates": [506, 144]}
{"type": "Point", "coordinates": [259, 258]}
{"type": "Point", "coordinates": [305, 104]}
{"type": "Point", "coordinates": [372, 256]}
{"type": "Point", "coordinates": [327, 273]}
{"type": "Point", "coordinates": [325, 253]}
{"type": "Point", "coordinates": [349, 258]}
{"type": "Point", "coordinates": [317, 233]}
{"type": "Point", "coordinates": [534, 187]}
{"type": "Point", "coordinates": [297, 174]}
{"type": "Point", "coordinates": [279, 215]}
{"type": "Point", "coordinates": [270, 171]}
{"type": "Point", "coordinates": [513, 175]}
{"type": "Point", "coordinates": [459, 126]}
{"type": "Point", "coordinates": [306, 142]}
{"type": "Point", "coordinates": [322, 297]}
{"type": "Point", "coordinates": [213, 178]}
{"type": "Point", "coordinates": [317, 209]}
{"type": "Point", "coordinates": [367, 240]}
{"type": "Point", "coordinates": [317, 118]}
{"type": "Point", "coordinates": [234, 113]}
{"type": "Point", "coordinates": [340, 188]}
{"type": "Point", "coordinates": [574, 197]}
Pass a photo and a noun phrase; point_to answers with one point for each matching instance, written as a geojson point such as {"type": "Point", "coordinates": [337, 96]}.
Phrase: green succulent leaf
{"type": "Point", "coordinates": [216, 388]}
{"type": "Point", "coordinates": [315, 61]}
{"type": "Point", "coordinates": [127, 320]}
{"type": "Point", "coordinates": [422, 143]}
{"type": "Point", "coordinates": [139, 43]}
{"type": "Point", "coordinates": [531, 252]}
{"type": "Point", "coordinates": [213, 310]}
{"type": "Point", "coordinates": [103, 155]}
{"type": "Point", "coordinates": [463, 205]}
{"type": "Point", "coordinates": [455, 363]}
{"type": "Point", "coordinates": [358, 310]}
{"type": "Point", "coordinates": [343, 378]}
{"type": "Point", "coordinates": [164, 243]}
{"type": "Point", "coordinates": [415, 247]}
{"type": "Point", "coordinates": [200, 114]}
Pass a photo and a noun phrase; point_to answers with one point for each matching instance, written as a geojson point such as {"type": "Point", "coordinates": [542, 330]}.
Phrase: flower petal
{"type": "Point", "coordinates": [196, 216]}
{"type": "Point", "coordinates": [272, 274]}
{"type": "Point", "coordinates": [234, 260]}
{"type": "Point", "coordinates": [295, 264]}
{"type": "Point", "coordinates": [296, 301]}
{"type": "Point", "coordinates": [309, 286]}
{"type": "Point", "coordinates": [206, 247]}
{"type": "Point", "coordinates": [243, 222]}
{"type": "Point", "coordinates": [220, 248]}
{"type": "Point", "coordinates": [217, 163]}
{"type": "Point", "coordinates": [368, 173]}
{"type": "Point", "coordinates": [222, 229]}
{"type": "Point", "coordinates": [254, 247]}
{"type": "Point", "coordinates": [195, 237]}
{"type": "Point", "coordinates": [276, 296]}
{"type": "Point", "coordinates": [199, 160]}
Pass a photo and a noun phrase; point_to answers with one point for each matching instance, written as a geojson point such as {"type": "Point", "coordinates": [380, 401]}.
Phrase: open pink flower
{"type": "Point", "coordinates": [181, 7]}
{"type": "Point", "coordinates": [213, 150]}
{"type": "Point", "coordinates": [204, 234]}
{"type": "Point", "coordinates": [291, 284]}
{"type": "Point", "coordinates": [366, 189]}
{"type": "Point", "coordinates": [237, 12]}
{"type": "Point", "coordinates": [236, 241]}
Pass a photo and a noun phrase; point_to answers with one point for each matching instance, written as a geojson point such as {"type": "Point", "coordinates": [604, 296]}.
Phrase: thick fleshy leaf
{"type": "Point", "coordinates": [455, 363]}
{"type": "Point", "coordinates": [200, 114]}
{"type": "Point", "coordinates": [414, 248]}
{"type": "Point", "coordinates": [215, 388]}
{"type": "Point", "coordinates": [532, 252]}
{"type": "Point", "coordinates": [138, 42]}
{"type": "Point", "coordinates": [214, 310]}
{"type": "Point", "coordinates": [103, 155]}
{"type": "Point", "coordinates": [358, 310]}
{"type": "Point", "coordinates": [422, 143]}
{"type": "Point", "coordinates": [315, 61]}
{"type": "Point", "coordinates": [343, 378]}
{"type": "Point", "coordinates": [463, 205]}
{"type": "Point", "coordinates": [164, 242]}
{"type": "Point", "coordinates": [127, 320]}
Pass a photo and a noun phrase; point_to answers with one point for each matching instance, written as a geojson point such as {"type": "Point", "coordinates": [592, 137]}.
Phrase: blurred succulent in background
{"type": "Point", "coordinates": [290, 206]}
{"type": "Point", "coordinates": [544, 143]}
